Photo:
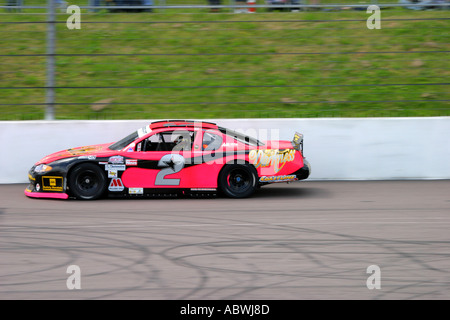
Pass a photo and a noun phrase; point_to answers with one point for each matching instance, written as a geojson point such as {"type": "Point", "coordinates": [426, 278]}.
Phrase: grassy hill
{"type": "Point", "coordinates": [203, 65]}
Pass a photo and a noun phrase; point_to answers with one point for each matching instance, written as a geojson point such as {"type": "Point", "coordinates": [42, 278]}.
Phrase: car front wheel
{"type": "Point", "coordinates": [87, 182]}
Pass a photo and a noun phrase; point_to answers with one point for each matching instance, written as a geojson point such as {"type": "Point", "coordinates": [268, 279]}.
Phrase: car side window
{"type": "Point", "coordinates": [176, 140]}
{"type": "Point", "coordinates": [211, 141]}
{"type": "Point", "coordinates": [152, 143]}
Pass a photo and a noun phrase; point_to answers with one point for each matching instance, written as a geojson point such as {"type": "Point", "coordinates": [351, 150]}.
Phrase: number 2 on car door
{"type": "Point", "coordinates": [171, 163]}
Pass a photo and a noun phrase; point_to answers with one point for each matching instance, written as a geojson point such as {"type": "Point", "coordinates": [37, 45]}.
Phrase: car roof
{"type": "Point", "coordinates": [182, 123]}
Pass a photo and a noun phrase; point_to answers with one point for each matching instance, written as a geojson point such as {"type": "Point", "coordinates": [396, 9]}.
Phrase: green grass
{"type": "Point", "coordinates": [251, 69]}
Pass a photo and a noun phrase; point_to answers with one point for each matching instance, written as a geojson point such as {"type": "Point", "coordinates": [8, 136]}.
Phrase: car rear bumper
{"type": "Point", "coordinates": [304, 172]}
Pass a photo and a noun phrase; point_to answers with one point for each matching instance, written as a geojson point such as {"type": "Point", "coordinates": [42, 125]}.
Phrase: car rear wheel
{"type": "Point", "coordinates": [87, 181]}
{"type": "Point", "coordinates": [238, 181]}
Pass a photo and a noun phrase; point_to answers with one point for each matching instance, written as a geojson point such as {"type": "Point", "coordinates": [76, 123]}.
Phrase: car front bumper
{"type": "Point", "coordinates": [45, 185]}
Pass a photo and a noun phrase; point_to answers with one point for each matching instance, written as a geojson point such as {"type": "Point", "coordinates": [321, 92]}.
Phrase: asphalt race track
{"type": "Point", "coordinates": [307, 240]}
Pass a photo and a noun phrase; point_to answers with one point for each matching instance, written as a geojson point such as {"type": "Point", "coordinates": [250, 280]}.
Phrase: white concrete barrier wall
{"type": "Point", "coordinates": [337, 148]}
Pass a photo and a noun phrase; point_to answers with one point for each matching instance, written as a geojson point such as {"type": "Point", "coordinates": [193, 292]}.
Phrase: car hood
{"type": "Point", "coordinates": [93, 150]}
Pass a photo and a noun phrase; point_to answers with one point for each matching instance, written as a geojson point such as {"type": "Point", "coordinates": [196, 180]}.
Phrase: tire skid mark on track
{"type": "Point", "coordinates": [311, 240]}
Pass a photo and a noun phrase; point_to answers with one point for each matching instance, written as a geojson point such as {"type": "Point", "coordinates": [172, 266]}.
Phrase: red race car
{"type": "Point", "coordinates": [169, 158]}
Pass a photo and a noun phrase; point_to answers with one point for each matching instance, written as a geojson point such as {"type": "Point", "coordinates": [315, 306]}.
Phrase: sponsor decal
{"type": "Point", "coordinates": [203, 189]}
{"type": "Point", "coordinates": [116, 159]}
{"type": "Point", "coordinates": [120, 167]}
{"type": "Point", "coordinates": [271, 157]}
{"type": "Point", "coordinates": [131, 162]}
{"type": "Point", "coordinates": [88, 157]}
{"type": "Point", "coordinates": [77, 151]}
{"type": "Point", "coordinates": [52, 183]}
{"type": "Point", "coordinates": [298, 137]}
{"type": "Point", "coordinates": [38, 187]}
{"type": "Point", "coordinates": [112, 173]}
{"type": "Point", "coordinates": [136, 190]}
{"type": "Point", "coordinates": [83, 150]}
{"type": "Point", "coordinates": [278, 178]}
{"type": "Point", "coordinates": [116, 185]}
{"type": "Point", "coordinates": [131, 147]}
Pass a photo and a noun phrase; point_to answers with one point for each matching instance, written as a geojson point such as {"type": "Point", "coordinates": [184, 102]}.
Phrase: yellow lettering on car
{"type": "Point", "coordinates": [271, 157]}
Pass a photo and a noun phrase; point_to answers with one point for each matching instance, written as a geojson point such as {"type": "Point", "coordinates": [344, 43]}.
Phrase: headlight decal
{"type": "Point", "coordinates": [42, 168]}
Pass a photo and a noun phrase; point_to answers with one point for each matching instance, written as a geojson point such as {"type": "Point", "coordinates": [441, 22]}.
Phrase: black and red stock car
{"type": "Point", "coordinates": [169, 158]}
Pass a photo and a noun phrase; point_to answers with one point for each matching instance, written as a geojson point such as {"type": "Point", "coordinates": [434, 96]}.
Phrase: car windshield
{"type": "Point", "coordinates": [119, 145]}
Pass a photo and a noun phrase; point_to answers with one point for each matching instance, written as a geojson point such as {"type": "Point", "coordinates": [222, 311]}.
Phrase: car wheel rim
{"type": "Point", "coordinates": [87, 181]}
{"type": "Point", "coordinates": [238, 180]}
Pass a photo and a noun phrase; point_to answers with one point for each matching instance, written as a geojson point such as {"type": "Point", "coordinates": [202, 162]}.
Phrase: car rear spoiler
{"type": "Point", "coordinates": [297, 142]}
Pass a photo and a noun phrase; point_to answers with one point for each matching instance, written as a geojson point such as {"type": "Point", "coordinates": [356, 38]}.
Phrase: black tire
{"type": "Point", "coordinates": [238, 180]}
{"type": "Point", "coordinates": [87, 181]}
